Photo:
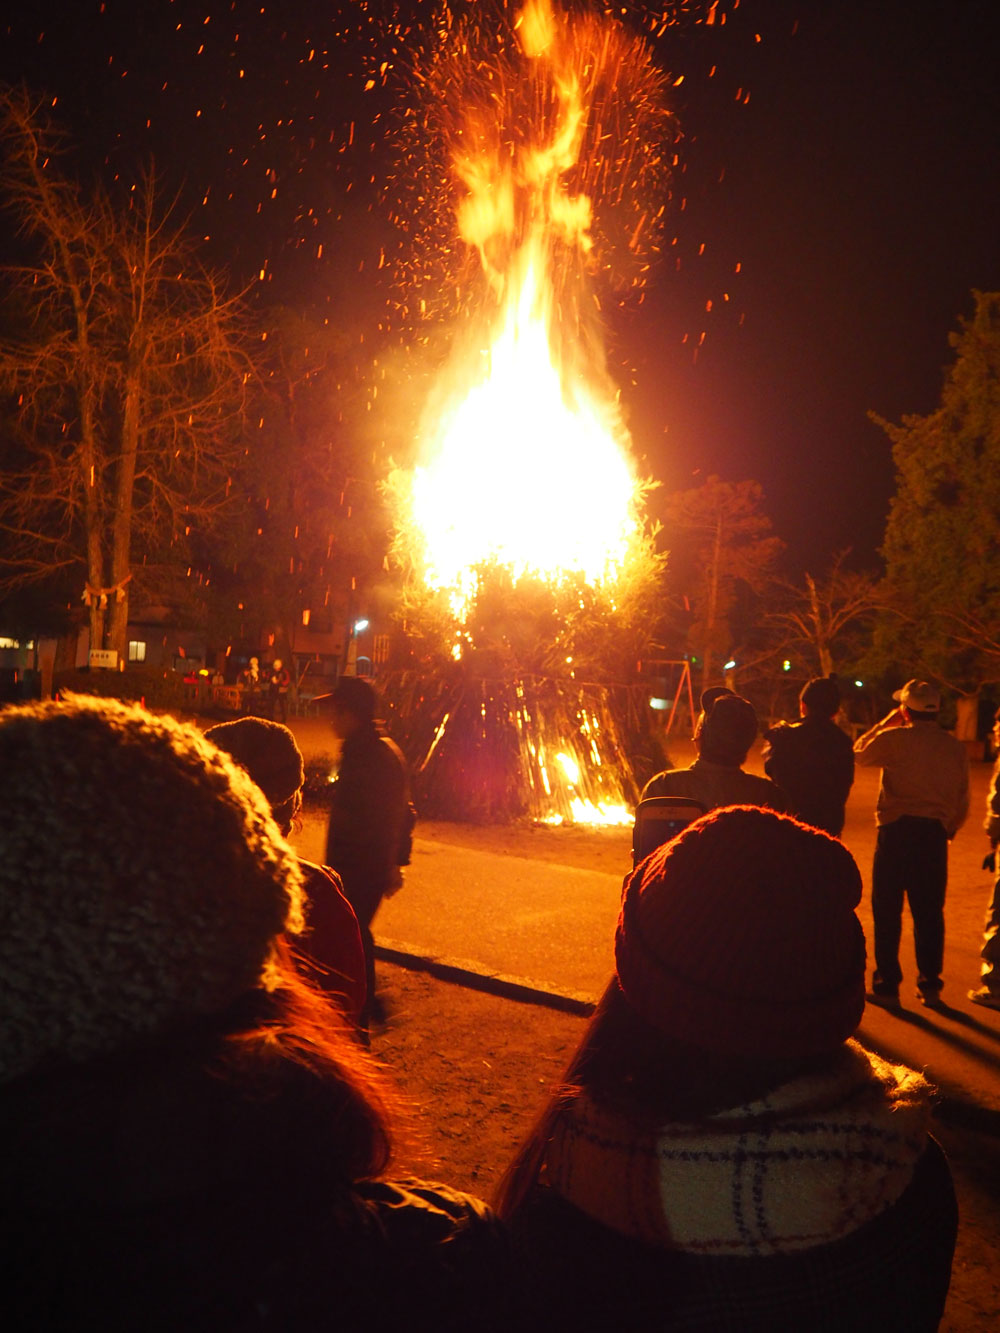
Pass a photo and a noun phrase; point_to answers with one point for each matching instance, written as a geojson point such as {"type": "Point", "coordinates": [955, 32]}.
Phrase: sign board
{"type": "Point", "coordinates": [103, 657]}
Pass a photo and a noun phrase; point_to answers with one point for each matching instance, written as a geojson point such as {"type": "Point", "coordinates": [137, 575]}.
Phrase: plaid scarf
{"type": "Point", "coordinates": [804, 1166]}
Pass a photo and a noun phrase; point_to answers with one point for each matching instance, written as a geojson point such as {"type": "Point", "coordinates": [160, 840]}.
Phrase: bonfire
{"type": "Point", "coordinates": [532, 576]}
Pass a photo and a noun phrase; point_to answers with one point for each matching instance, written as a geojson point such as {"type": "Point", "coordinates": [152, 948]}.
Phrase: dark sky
{"type": "Point", "coordinates": [861, 195]}
{"type": "Point", "coordinates": [856, 190]}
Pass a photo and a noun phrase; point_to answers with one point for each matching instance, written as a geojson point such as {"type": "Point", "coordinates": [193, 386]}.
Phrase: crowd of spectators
{"type": "Point", "coordinates": [197, 1137]}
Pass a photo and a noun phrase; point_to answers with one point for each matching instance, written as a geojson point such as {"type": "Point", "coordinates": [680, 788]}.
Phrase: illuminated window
{"type": "Point", "coordinates": [136, 650]}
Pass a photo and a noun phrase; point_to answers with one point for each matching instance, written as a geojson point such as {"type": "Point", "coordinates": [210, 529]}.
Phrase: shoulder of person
{"type": "Point", "coordinates": [320, 874]}
{"type": "Point", "coordinates": [779, 735]}
{"type": "Point", "coordinates": [659, 783]}
{"type": "Point", "coordinates": [776, 794]}
{"type": "Point", "coordinates": [392, 746]}
{"type": "Point", "coordinates": [880, 737]}
{"type": "Point", "coordinates": [450, 1253]}
{"type": "Point", "coordinates": [438, 1206]}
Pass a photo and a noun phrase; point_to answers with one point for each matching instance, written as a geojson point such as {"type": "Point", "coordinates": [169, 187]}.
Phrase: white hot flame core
{"type": "Point", "coordinates": [523, 476]}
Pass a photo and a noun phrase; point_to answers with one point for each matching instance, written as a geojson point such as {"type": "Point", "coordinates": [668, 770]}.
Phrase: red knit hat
{"type": "Point", "coordinates": [740, 937]}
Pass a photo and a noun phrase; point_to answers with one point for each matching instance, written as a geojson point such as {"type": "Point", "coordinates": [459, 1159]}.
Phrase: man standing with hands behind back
{"type": "Point", "coordinates": [922, 802]}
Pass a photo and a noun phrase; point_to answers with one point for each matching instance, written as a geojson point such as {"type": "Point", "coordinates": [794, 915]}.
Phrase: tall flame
{"type": "Point", "coordinates": [525, 460]}
{"type": "Point", "coordinates": [527, 465]}
{"type": "Point", "coordinates": [528, 470]}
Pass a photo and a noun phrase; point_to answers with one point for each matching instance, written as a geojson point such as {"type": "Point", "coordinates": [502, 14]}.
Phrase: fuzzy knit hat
{"type": "Point", "coordinates": [143, 881]}
{"type": "Point", "coordinates": [267, 751]}
{"type": "Point", "coordinates": [740, 937]}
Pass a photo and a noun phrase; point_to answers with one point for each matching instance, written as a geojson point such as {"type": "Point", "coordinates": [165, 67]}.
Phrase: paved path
{"type": "Point", "coordinates": [490, 904]}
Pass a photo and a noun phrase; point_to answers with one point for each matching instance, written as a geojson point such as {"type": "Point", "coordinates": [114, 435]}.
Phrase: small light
{"type": "Point", "coordinates": [360, 625]}
{"type": "Point", "coordinates": [729, 665]}
{"type": "Point", "coordinates": [659, 704]}
{"type": "Point", "coordinates": [860, 684]}
{"type": "Point", "coordinates": [786, 665]}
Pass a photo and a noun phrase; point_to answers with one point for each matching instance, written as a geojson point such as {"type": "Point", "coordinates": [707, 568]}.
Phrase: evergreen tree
{"type": "Point", "coordinates": [942, 540]}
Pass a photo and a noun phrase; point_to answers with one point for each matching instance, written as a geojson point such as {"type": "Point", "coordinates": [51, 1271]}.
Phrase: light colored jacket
{"type": "Point", "coordinates": [925, 772]}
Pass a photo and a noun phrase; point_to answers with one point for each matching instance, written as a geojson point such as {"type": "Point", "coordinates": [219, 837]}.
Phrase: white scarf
{"type": "Point", "coordinates": [806, 1165]}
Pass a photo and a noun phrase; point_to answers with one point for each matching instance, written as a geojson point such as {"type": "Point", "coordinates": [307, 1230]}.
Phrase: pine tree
{"type": "Point", "coordinates": [942, 540]}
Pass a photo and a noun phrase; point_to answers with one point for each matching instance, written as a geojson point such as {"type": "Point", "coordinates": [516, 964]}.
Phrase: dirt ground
{"type": "Point", "coordinates": [474, 1070]}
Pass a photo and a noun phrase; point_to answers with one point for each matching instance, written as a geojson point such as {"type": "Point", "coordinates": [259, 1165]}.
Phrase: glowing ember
{"type": "Point", "coordinates": [583, 811]}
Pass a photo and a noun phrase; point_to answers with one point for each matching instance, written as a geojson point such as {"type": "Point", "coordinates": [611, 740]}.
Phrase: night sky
{"type": "Point", "coordinates": [835, 202]}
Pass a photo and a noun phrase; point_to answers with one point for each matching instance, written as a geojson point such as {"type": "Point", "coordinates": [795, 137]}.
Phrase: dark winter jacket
{"type": "Point", "coordinates": [820, 1205]}
{"type": "Point", "coordinates": [813, 763]}
{"type": "Point", "coordinates": [155, 1194]}
{"type": "Point", "coordinates": [716, 785]}
{"type": "Point", "coordinates": [891, 1274]}
{"type": "Point", "coordinates": [367, 812]}
{"type": "Point", "coordinates": [330, 953]}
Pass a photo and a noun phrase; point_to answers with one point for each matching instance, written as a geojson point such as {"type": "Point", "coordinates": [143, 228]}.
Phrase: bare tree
{"type": "Point", "coordinates": [820, 618]}
{"type": "Point", "coordinates": [311, 527]}
{"type": "Point", "coordinates": [126, 371]}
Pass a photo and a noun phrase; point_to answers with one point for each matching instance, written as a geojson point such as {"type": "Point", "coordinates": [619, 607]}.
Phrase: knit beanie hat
{"type": "Point", "coordinates": [143, 881]}
{"type": "Point", "coordinates": [740, 937]}
{"type": "Point", "coordinates": [267, 751]}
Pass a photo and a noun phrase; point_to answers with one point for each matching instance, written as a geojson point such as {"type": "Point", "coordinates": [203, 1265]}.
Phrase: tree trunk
{"type": "Point", "coordinates": [118, 626]}
{"type": "Point", "coordinates": [711, 610]}
{"type": "Point", "coordinates": [95, 553]}
{"type": "Point", "coordinates": [820, 640]}
{"type": "Point", "coordinates": [967, 717]}
{"type": "Point", "coordinates": [121, 532]}
{"type": "Point", "coordinates": [92, 507]}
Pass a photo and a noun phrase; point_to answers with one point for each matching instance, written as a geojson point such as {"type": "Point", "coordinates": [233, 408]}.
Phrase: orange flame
{"type": "Point", "coordinates": [528, 470]}
{"type": "Point", "coordinates": [525, 460]}
{"type": "Point", "coordinates": [528, 465]}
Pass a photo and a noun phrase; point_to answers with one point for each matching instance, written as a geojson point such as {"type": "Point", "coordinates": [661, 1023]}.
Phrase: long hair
{"type": "Point", "coordinates": [626, 1065]}
{"type": "Point", "coordinates": [295, 1039]}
